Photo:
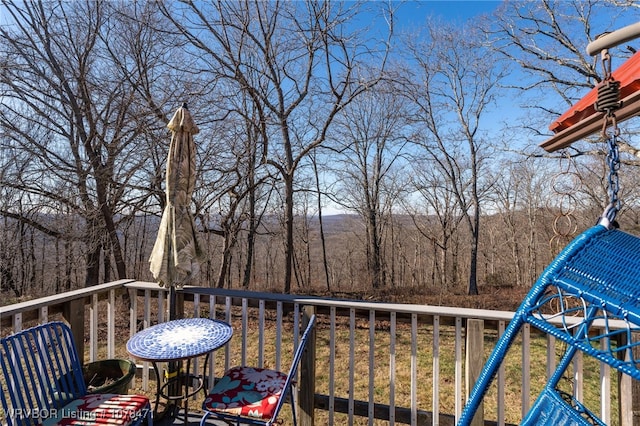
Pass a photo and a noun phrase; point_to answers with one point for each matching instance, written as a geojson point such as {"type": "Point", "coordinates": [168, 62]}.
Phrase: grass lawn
{"type": "Point", "coordinates": [381, 374]}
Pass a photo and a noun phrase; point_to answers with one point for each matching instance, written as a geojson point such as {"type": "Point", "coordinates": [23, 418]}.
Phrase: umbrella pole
{"type": "Point", "coordinates": [174, 367]}
{"type": "Point", "coordinates": [172, 303]}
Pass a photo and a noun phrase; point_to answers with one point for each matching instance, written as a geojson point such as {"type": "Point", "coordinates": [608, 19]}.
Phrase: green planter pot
{"type": "Point", "coordinates": [109, 375]}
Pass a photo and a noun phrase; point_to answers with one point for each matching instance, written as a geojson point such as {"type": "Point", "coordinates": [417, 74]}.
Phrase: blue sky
{"type": "Point", "coordinates": [413, 12]}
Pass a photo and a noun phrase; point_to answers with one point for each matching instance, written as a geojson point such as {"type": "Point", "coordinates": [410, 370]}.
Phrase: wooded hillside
{"type": "Point", "coordinates": [425, 138]}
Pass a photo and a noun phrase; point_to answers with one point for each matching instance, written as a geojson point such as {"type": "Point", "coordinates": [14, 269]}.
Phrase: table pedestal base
{"type": "Point", "coordinates": [175, 342]}
{"type": "Point", "coordinates": [176, 389]}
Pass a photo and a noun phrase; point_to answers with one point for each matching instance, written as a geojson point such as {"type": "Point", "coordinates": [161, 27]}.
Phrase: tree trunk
{"type": "Point", "coordinates": [226, 255]}
{"type": "Point", "coordinates": [289, 243]}
{"type": "Point", "coordinates": [473, 271]}
{"type": "Point", "coordinates": [93, 264]}
{"type": "Point", "coordinates": [375, 268]}
{"type": "Point", "coordinates": [323, 241]}
{"type": "Point", "coordinates": [246, 278]}
{"type": "Point", "coordinates": [107, 215]}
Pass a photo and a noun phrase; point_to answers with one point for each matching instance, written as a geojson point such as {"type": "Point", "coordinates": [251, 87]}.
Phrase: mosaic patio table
{"type": "Point", "coordinates": [178, 340]}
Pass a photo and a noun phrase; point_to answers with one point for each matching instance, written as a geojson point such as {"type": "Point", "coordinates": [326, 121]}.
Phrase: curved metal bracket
{"type": "Point", "coordinates": [613, 39]}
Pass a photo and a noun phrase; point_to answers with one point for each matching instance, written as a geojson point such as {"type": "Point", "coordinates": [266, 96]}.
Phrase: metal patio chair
{"type": "Point", "coordinates": [249, 395]}
{"type": "Point", "coordinates": [41, 383]}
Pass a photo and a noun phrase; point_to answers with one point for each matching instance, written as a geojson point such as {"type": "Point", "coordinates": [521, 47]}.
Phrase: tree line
{"type": "Point", "coordinates": [427, 136]}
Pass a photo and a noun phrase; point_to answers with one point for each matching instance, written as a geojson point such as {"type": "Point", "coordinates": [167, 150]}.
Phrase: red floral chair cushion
{"type": "Point", "coordinates": [97, 409]}
{"type": "Point", "coordinates": [247, 391]}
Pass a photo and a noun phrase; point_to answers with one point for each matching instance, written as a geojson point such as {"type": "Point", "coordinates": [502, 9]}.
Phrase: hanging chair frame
{"type": "Point", "coordinates": [589, 295]}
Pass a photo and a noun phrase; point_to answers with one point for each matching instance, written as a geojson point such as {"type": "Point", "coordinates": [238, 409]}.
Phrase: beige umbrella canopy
{"type": "Point", "coordinates": [177, 252]}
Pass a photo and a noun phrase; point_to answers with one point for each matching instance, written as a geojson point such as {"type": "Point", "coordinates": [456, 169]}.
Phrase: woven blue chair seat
{"type": "Point", "coordinates": [604, 270]}
{"type": "Point", "coordinates": [588, 297]}
{"type": "Point", "coordinates": [555, 408]}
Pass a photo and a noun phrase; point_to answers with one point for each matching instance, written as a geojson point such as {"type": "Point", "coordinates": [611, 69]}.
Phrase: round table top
{"type": "Point", "coordinates": [179, 339]}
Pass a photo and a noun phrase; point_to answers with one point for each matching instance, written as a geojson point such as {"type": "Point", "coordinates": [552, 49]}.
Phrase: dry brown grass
{"type": "Point", "coordinates": [381, 373]}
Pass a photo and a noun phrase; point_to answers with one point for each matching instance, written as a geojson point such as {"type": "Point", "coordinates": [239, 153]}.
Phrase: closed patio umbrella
{"type": "Point", "coordinates": [177, 252]}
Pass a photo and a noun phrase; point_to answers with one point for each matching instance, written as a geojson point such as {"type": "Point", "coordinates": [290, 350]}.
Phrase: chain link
{"type": "Point", "coordinates": [608, 102]}
{"type": "Point", "coordinates": [613, 161]}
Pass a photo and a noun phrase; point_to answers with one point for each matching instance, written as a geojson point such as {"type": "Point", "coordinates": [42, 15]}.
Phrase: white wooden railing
{"type": "Point", "coordinates": [401, 363]}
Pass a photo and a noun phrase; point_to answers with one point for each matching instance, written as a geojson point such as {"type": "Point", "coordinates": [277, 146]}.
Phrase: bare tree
{"type": "Point", "coordinates": [323, 240]}
{"type": "Point", "coordinates": [298, 64]}
{"type": "Point", "coordinates": [369, 140]}
{"type": "Point", "coordinates": [233, 192]}
{"type": "Point", "coordinates": [452, 91]}
{"type": "Point", "coordinates": [437, 216]}
{"type": "Point", "coordinates": [75, 113]}
{"type": "Point", "coordinates": [519, 199]}
{"type": "Point", "coordinates": [545, 44]}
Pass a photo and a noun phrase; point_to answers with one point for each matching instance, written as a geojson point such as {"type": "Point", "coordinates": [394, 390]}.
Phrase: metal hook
{"type": "Point", "coordinates": [605, 58]}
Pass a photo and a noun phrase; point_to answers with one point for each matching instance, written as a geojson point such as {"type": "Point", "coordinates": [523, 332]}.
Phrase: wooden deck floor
{"type": "Point", "coordinates": [193, 419]}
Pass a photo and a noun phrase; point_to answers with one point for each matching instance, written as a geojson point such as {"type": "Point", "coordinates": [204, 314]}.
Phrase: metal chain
{"type": "Point", "coordinates": [608, 102]}
{"type": "Point", "coordinates": [613, 161]}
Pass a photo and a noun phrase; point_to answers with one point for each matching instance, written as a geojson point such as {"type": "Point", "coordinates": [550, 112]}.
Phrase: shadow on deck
{"type": "Point", "coordinates": [193, 419]}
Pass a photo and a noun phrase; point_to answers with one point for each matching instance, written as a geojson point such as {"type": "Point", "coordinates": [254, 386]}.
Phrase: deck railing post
{"type": "Point", "coordinates": [475, 361]}
{"type": "Point", "coordinates": [635, 388]}
{"type": "Point", "coordinates": [73, 313]}
{"type": "Point", "coordinates": [628, 389]}
{"type": "Point", "coordinates": [307, 386]}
